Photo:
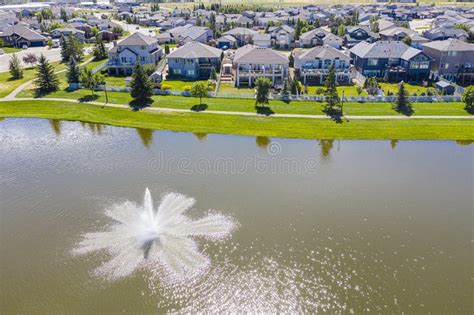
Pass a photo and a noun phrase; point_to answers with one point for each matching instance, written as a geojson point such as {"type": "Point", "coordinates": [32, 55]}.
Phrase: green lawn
{"type": "Point", "coordinates": [7, 85]}
{"type": "Point", "coordinates": [245, 125]}
{"type": "Point", "coordinates": [411, 89]}
{"type": "Point", "coordinates": [348, 90]}
{"type": "Point", "coordinates": [229, 88]}
{"type": "Point", "coordinates": [280, 107]}
{"type": "Point", "coordinates": [10, 50]}
{"type": "Point", "coordinates": [180, 84]}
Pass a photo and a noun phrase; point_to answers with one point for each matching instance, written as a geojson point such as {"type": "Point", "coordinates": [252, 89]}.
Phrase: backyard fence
{"type": "Point", "coordinates": [303, 97]}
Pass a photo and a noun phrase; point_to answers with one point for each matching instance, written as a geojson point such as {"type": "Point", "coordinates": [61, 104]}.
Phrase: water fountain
{"type": "Point", "coordinates": [158, 239]}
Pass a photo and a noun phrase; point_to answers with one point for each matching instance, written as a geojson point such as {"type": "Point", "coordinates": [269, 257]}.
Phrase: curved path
{"type": "Point", "coordinates": [177, 110]}
{"type": "Point", "coordinates": [15, 92]}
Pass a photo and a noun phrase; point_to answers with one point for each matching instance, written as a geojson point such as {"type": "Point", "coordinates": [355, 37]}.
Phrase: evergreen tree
{"type": "Point", "coordinates": [73, 72]}
{"type": "Point", "coordinates": [64, 49]}
{"type": "Point", "coordinates": [286, 90]}
{"type": "Point", "coordinates": [167, 49]}
{"type": "Point", "coordinates": [262, 89]}
{"type": "Point", "coordinates": [332, 98]}
{"type": "Point", "coordinates": [402, 104]}
{"type": "Point", "coordinates": [142, 88]}
{"type": "Point", "coordinates": [99, 52]}
{"type": "Point", "coordinates": [15, 67]}
{"type": "Point", "coordinates": [213, 75]}
{"type": "Point", "coordinates": [46, 80]}
{"type": "Point", "coordinates": [75, 47]}
{"type": "Point", "coordinates": [63, 14]}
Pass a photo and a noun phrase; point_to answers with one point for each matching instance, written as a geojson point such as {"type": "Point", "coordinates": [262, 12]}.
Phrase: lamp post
{"type": "Point", "coordinates": [342, 104]}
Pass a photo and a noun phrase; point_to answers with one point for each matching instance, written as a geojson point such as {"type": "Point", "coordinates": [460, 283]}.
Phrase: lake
{"type": "Point", "coordinates": [323, 225]}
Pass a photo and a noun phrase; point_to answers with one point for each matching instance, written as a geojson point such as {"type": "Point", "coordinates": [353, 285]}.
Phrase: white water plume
{"type": "Point", "coordinates": [142, 236]}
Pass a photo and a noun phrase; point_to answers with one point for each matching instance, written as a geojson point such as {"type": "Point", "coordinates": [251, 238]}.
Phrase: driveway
{"type": "Point", "coordinates": [133, 28]}
{"type": "Point", "coordinates": [53, 54]}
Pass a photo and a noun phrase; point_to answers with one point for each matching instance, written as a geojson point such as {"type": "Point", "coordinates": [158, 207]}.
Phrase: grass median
{"type": "Point", "coordinates": [248, 105]}
{"type": "Point", "coordinates": [435, 129]}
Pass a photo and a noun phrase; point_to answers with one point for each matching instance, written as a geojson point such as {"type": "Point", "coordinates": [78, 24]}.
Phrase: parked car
{"type": "Point", "coordinates": [1, 52]}
{"type": "Point", "coordinates": [24, 47]}
{"type": "Point", "coordinates": [55, 44]}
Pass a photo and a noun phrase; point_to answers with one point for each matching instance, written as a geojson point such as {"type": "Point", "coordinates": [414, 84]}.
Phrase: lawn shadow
{"type": "Point", "coordinates": [88, 98]}
{"type": "Point", "coordinates": [199, 108]}
{"type": "Point", "coordinates": [335, 115]}
{"type": "Point", "coordinates": [136, 105]}
{"type": "Point", "coordinates": [470, 109]}
{"type": "Point", "coordinates": [264, 110]}
{"type": "Point", "coordinates": [406, 110]}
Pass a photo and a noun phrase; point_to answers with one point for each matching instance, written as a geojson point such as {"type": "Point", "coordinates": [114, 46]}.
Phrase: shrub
{"type": "Point", "coordinates": [166, 87]}
{"type": "Point", "coordinates": [187, 88]}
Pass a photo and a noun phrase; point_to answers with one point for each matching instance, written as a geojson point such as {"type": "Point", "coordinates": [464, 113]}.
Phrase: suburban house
{"type": "Point", "coordinates": [251, 62]}
{"type": "Point", "coordinates": [312, 65]}
{"type": "Point", "coordinates": [187, 33]}
{"type": "Point", "coordinates": [194, 60]}
{"type": "Point", "coordinates": [66, 32]}
{"type": "Point", "coordinates": [226, 42]}
{"type": "Point", "coordinates": [357, 34]}
{"type": "Point", "coordinates": [137, 48]}
{"type": "Point", "coordinates": [282, 36]}
{"type": "Point", "coordinates": [242, 35]}
{"type": "Point", "coordinates": [399, 33]}
{"type": "Point", "coordinates": [452, 60]}
{"type": "Point", "coordinates": [443, 33]}
{"type": "Point", "coordinates": [393, 60]}
{"type": "Point", "coordinates": [19, 35]}
{"type": "Point", "coordinates": [320, 37]}
{"type": "Point", "coordinates": [262, 40]}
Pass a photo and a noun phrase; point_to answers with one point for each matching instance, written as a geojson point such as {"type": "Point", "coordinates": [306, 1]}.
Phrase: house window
{"type": "Point", "coordinates": [372, 62]}
{"type": "Point", "coordinates": [452, 53]}
{"type": "Point", "coordinates": [143, 47]}
{"type": "Point", "coordinates": [124, 59]}
{"type": "Point", "coordinates": [392, 61]}
{"type": "Point", "coordinates": [143, 59]}
{"type": "Point", "coordinates": [190, 72]}
{"type": "Point", "coordinates": [177, 71]}
{"type": "Point", "coordinates": [446, 66]}
{"type": "Point", "coordinates": [189, 61]}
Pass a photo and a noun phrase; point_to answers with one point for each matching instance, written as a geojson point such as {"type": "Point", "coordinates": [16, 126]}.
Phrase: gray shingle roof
{"type": "Point", "coordinates": [254, 54]}
{"type": "Point", "coordinates": [240, 31]}
{"type": "Point", "coordinates": [23, 32]}
{"type": "Point", "coordinates": [138, 39]}
{"type": "Point", "coordinates": [450, 45]}
{"type": "Point", "coordinates": [321, 52]}
{"type": "Point", "coordinates": [380, 49]}
{"type": "Point", "coordinates": [195, 50]}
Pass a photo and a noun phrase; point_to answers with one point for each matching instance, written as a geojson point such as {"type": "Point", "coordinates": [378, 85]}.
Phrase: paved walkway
{"type": "Point", "coordinates": [177, 110]}
{"type": "Point", "coordinates": [16, 91]}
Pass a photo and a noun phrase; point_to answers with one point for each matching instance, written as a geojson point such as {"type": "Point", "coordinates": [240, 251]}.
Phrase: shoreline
{"type": "Point", "coordinates": [348, 128]}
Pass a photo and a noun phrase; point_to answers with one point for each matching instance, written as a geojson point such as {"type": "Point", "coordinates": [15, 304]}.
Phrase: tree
{"type": "Point", "coordinates": [341, 30]}
{"type": "Point", "coordinates": [64, 48]}
{"type": "Point", "coordinates": [117, 31]}
{"type": "Point", "coordinates": [46, 80]}
{"type": "Point", "coordinates": [402, 103]}
{"type": "Point", "coordinates": [63, 14]}
{"type": "Point", "coordinates": [167, 49]}
{"type": "Point", "coordinates": [407, 40]}
{"type": "Point", "coordinates": [468, 99]}
{"type": "Point", "coordinates": [262, 90]}
{"type": "Point", "coordinates": [73, 72]}
{"type": "Point", "coordinates": [213, 75]}
{"type": "Point", "coordinates": [75, 47]}
{"type": "Point", "coordinates": [15, 67]}
{"type": "Point", "coordinates": [333, 101]}
{"type": "Point", "coordinates": [359, 90]}
{"type": "Point", "coordinates": [296, 87]}
{"type": "Point", "coordinates": [30, 59]}
{"type": "Point", "coordinates": [99, 52]}
{"type": "Point", "coordinates": [91, 80]}
{"type": "Point", "coordinates": [142, 89]}
{"type": "Point", "coordinates": [199, 89]}
{"type": "Point", "coordinates": [371, 86]}
{"type": "Point", "coordinates": [285, 91]}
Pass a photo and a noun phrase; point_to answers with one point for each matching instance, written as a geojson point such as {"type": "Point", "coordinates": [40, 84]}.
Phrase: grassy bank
{"type": "Point", "coordinates": [245, 125]}
{"type": "Point", "coordinates": [279, 107]}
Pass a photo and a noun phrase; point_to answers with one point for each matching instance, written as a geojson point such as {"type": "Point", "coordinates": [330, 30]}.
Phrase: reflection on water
{"type": "Point", "coordinates": [146, 136]}
{"type": "Point", "coordinates": [56, 125]}
{"type": "Point", "coordinates": [464, 142]}
{"type": "Point", "coordinates": [393, 144]}
{"type": "Point", "coordinates": [326, 147]}
{"type": "Point", "coordinates": [373, 229]}
{"type": "Point", "coordinates": [262, 142]}
{"type": "Point", "coordinates": [96, 129]}
{"type": "Point", "coordinates": [201, 136]}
